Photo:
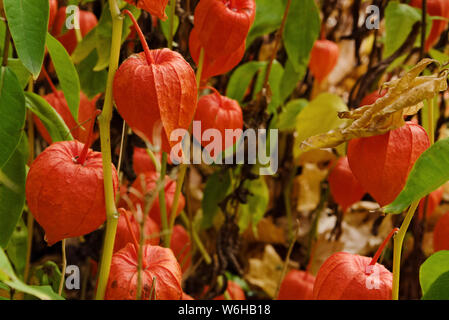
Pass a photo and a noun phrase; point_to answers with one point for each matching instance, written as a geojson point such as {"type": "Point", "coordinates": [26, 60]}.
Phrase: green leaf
{"type": "Point", "coordinates": [92, 82]}
{"type": "Point", "coordinates": [274, 81]}
{"type": "Point", "coordinates": [290, 79]}
{"type": "Point", "coordinates": [8, 277]}
{"type": "Point", "coordinates": [17, 247]}
{"type": "Point", "coordinates": [253, 211]}
{"type": "Point", "coordinates": [28, 22]}
{"type": "Point", "coordinates": [165, 25]}
{"type": "Point", "coordinates": [399, 19]}
{"type": "Point", "coordinates": [287, 118]}
{"type": "Point", "coordinates": [12, 113]}
{"type": "Point", "coordinates": [2, 36]}
{"type": "Point", "coordinates": [241, 78]}
{"type": "Point", "coordinates": [67, 75]}
{"type": "Point", "coordinates": [12, 194]}
{"type": "Point", "coordinates": [48, 274]}
{"type": "Point", "coordinates": [103, 33]}
{"type": "Point", "coordinates": [218, 186]}
{"type": "Point", "coordinates": [302, 28]}
{"type": "Point", "coordinates": [323, 110]}
{"type": "Point", "coordinates": [436, 265]}
{"type": "Point", "coordinates": [85, 47]}
{"type": "Point", "coordinates": [269, 15]}
{"type": "Point", "coordinates": [430, 171]}
{"type": "Point", "coordinates": [439, 289]}
{"type": "Point", "coordinates": [22, 73]}
{"type": "Point", "coordinates": [441, 57]}
{"type": "Point", "coordinates": [51, 119]}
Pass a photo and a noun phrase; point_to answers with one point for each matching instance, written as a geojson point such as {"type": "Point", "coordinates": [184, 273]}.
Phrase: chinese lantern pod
{"type": "Point", "coordinates": [154, 7]}
{"type": "Point", "coordinates": [433, 200]}
{"type": "Point", "coordinates": [372, 98]}
{"type": "Point", "coordinates": [436, 8]}
{"type": "Point", "coordinates": [124, 236]}
{"type": "Point", "coordinates": [87, 22]}
{"type": "Point", "coordinates": [218, 112]}
{"type": "Point", "coordinates": [86, 110]}
{"type": "Point", "coordinates": [441, 233]}
{"type": "Point", "coordinates": [323, 58]}
{"type": "Point", "coordinates": [234, 291]}
{"type": "Point", "coordinates": [145, 184]}
{"type": "Point", "coordinates": [214, 65]}
{"type": "Point", "coordinates": [142, 161]}
{"type": "Point", "coordinates": [181, 246]}
{"type": "Point", "coordinates": [161, 274]}
{"type": "Point", "coordinates": [67, 198]}
{"type": "Point", "coordinates": [346, 276]}
{"type": "Point", "coordinates": [344, 186]}
{"type": "Point", "coordinates": [223, 25]}
{"type": "Point", "coordinates": [157, 98]}
{"type": "Point", "coordinates": [389, 157]}
{"type": "Point", "coordinates": [297, 285]}
{"type": "Point", "coordinates": [185, 296]}
{"type": "Point", "coordinates": [52, 13]}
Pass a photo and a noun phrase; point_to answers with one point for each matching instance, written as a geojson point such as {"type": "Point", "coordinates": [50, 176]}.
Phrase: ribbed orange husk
{"type": "Point", "coordinates": [297, 285]}
{"type": "Point", "coordinates": [181, 246]}
{"type": "Point", "coordinates": [66, 198]}
{"type": "Point", "coordinates": [158, 263]}
{"type": "Point", "coordinates": [145, 184]}
{"type": "Point", "coordinates": [214, 65]}
{"type": "Point", "coordinates": [156, 99]}
{"type": "Point", "coordinates": [52, 14]}
{"type": "Point", "coordinates": [223, 25]}
{"type": "Point", "coordinates": [433, 201]}
{"type": "Point", "coordinates": [343, 276]}
{"type": "Point", "coordinates": [154, 7]}
{"type": "Point", "coordinates": [344, 186]}
{"type": "Point", "coordinates": [441, 233]}
{"type": "Point", "coordinates": [437, 8]}
{"type": "Point", "coordinates": [85, 113]}
{"type": "Point", "coordinates": [323, 58]}
{"type": "Point", "coordinates": [142, 161]}
{"type": "Point", "coordinates": [382, 163]}
{"type": "Point", "coordinates": [218, 112]}
{"type": "Point", "coordinates": [234, 291]}
{"type": "Point", "coordinates": [87, 22]}
{"type": "Point", "coordinates": [123, 235]}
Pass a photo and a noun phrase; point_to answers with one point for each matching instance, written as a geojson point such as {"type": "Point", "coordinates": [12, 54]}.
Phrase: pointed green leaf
{"type": "Point", "coordinates": [67, 75]}
{"type": "Point", "coordinates": [432, 268]}
{"type": "Point", "coordinates": [12, 193]}
{"type": "Point", "coordinates": [439, 289]}
{"type": "Point", "coordinates": [22, 73]}
{"type": "Point", "coordinates": [217, 188]}
{"type": "Point", "coordinates": [12, 113]}
{"type": "Point", "coordinates": [287, 118]}
{"type": "Point", "coordinates": [17, 247]}
{"type": "Point", "coordinates": [28, 22]}
{"type": "Point", "coordinates": [51, 119]}
{"type": "Point", "coordinates": [430, 171]}
{"type": "Point", "coordinates": [241, 78]}
{"type": "Point", "coordinates": [302, 28]}
{"type": "Point", "coordinates": [253, 211]}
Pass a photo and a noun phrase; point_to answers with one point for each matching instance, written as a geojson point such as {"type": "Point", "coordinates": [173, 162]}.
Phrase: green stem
{"type": "Point", "coordinates": [162, 205]}
{"type": "Point", "coordinates": [199, 244]}
{"type": "Point", "coordinates": [64, 266]}
{"type": "Point", "coordinates": [156, 162]}
{"type": "Point", "coordinates": [6, 46]}
{"type": "Point", "coordinates": [398, 242]}
{"type": "Point", "coordinates": [430, 121]}
{"type": "Point", "coordinates": [105, 123]}
{"type": "Point", "coordinates": [179, 183]}
{"type": "Point", "coordinates": [171, 19]}
{"type": "Point", "coordinates": [199, 70]}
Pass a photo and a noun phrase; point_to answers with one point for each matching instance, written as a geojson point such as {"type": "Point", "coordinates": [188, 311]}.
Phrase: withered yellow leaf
{"type": "Point", "coordinates": [404, 97]}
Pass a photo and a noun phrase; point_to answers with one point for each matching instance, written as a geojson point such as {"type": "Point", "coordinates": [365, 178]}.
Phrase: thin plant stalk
{"type": "Point", "coordinates": [64, 266]}
{"type": "Point", "coordinates": [171, 18]}
{"type": "Point", "coordinates": [162, 204]}
{"type": "Point", "coordinates": [105, 123]}
{"type": "Point", "coordinates": [199, 244]}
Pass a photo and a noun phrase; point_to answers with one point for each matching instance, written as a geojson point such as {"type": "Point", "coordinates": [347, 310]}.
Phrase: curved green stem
{"type": "Point", "coordinates": [398, 242]}
{"type": "Point", "coordinates": [179, 183]}
{"type": "Point", "coordinates": [162, 204]}
{"type": "Point", "coordinates": [199, 244]}
{"type": "Point", "coordinates": [105, 123]}
{"type": "Point", "coordinates": [64, 266]}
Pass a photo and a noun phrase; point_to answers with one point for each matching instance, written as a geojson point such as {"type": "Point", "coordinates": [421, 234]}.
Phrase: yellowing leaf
{"type": "Point", "coordinates": [404, 97]}
{"type": "Point", "coordinates": [310, 186]}
{"type": "Point", "coordinates": [318, 117]}
{"type": "Point", "coordinates": [266, 272]}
